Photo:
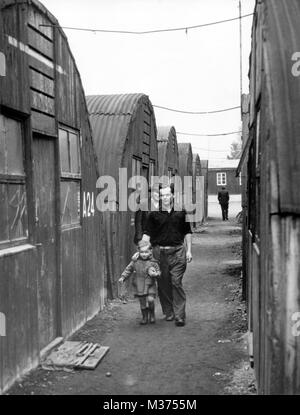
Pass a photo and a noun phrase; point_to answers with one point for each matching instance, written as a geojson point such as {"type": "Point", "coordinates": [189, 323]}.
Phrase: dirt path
{"type": "Point", "coordinates": [207, 356]}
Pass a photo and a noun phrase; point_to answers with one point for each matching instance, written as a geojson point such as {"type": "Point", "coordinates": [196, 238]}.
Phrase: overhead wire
{"type": "Point", "coordinates": [197, 112]}
{"type": "Point", "coordinates": [144, 32]}
{"type": "Point", "coordinates": [209, 135]}
{"type": "Point", "coordinates": [186, 28]}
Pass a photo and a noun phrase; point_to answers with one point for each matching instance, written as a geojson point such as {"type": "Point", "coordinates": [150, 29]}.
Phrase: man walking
{"type": "Point", "coordinates": [169, 232]}
{"type": "Point", "coordinates": [223, 197]}
{"type": "Point", "coordinates": [141, 215]}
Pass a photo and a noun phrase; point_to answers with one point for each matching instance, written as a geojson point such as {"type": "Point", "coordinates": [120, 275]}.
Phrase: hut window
{"type": "Point", "coordinates": [13, 203]}
{"type": "Point", "coordinates": [221, 179]}
{"type": "Point", "coordinates": [69, 150]}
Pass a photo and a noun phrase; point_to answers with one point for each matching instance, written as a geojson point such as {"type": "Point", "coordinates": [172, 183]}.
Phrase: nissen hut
{"type": "Point", "coordinates": [198, 187]}
{"type": "Point", "coordinates": [168, 161]}
{"type": "Point", "coordinates": [51, 278]}
{"type": "Point", "coordinates": [124, 132]}
{"type": "Point", "coordinates": [186, 168]}
{"type": "Point", "coordinates": [270, 166]}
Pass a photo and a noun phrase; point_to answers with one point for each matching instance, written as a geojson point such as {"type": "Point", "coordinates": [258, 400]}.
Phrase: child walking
{"type": "Point", "coordinates": [146, 270]}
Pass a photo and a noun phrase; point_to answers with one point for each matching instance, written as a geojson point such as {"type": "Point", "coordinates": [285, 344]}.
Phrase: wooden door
{"type": "Point", "coordinates": [45, 215]}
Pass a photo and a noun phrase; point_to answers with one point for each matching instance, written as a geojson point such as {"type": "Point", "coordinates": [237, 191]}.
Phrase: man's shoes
{"type": "Point", "coordinates": [179, 322]}
{"type": "Point", "coordinates": [170, 317]}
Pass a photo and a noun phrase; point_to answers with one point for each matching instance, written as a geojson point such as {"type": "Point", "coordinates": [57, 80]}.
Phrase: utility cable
{"type": "Point", "coordinates": [128, 32]}
{"type": "Point", "coordinates": [197, 112]}
{"type": "Point", "coordinates": [208, 135]}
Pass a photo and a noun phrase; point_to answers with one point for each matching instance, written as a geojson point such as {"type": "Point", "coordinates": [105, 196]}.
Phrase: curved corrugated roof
{"type": "Point", "coordinates": [119, 104]}
{"type": "Point", "coordinates": [163, 133]}
{"type": "Point", "coordinates": [167, 148]}
{"type": "Point", "coordinates": [196, 164]}
{"type": "Point", "coordinates": [110, 117]}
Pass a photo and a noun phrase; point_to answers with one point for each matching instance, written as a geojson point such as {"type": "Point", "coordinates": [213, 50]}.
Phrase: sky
{"type": "Point", "coordinates": [194, 71]}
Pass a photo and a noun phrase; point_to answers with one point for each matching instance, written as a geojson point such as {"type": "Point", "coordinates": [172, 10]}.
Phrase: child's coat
{"type": "Point", "coordinates": [142, 282]}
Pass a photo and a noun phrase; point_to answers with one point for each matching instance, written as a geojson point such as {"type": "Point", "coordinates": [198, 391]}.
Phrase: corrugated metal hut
{"type": "Point", "coordinates": [198, 187]}
{"type": "Point", "coordinates": [125, 136]}
{"type": "Point", "coordinates": [272, 156]}
{"type": "Point", "coordinates": [51, 278]}
{"type": "Point", "coordinates": [185, 160]}
{"type": "Point", "coordinates": [168, 161]}
{"type": "Point", "coordinates": [186, 169]}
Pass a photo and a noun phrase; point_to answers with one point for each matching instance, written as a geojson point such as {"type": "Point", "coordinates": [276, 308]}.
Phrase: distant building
{"type": "Point", "coordinates": [223, 173]}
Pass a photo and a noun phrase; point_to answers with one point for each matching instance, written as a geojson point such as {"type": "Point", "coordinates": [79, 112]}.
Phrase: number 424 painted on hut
{"type": "Point", "coordinates": [88, 207]}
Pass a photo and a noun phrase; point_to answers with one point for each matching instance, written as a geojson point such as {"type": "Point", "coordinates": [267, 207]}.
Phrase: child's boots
{"type": "Point", "coordinates": [151, 312]}
{"type": "Point", "coordinates": [145, 316]}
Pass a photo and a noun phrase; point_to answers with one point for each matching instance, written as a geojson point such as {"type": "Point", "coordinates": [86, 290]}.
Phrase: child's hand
{"type": "Point", "coordinates": [135, 256]}
{"type": "Point", "coordinates": [152, 272]}
{"type": "Point", "coordinates": [121, 280]}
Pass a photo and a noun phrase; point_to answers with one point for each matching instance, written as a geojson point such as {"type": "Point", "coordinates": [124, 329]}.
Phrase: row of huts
{"type": "Point", "coordinates": [270, 170]}
{"type": "Point", "coordinates": [60, 257]}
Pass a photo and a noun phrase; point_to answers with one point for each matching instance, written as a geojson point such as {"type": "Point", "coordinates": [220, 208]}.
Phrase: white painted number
{"type": "Point", "coordinates": [88, 208]}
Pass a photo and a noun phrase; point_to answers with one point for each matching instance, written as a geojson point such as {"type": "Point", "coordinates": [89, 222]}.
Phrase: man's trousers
{"type": "Point", "coordinates": [224, 208]}
{"type": "Point", "coordinates": [171, 294]}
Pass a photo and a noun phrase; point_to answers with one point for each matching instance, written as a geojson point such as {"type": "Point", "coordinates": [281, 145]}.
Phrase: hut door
{"type": "Point", "coordinates": [44, 188]}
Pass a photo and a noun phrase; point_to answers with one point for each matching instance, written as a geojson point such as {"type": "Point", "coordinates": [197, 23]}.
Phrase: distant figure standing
{"type": "Point", "coordinates": [223, 198]}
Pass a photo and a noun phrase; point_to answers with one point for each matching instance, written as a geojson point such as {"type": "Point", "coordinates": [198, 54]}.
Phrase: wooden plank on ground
{"type": "Point", "coordinates": [92, 361]}
{"type": "Point", "coordinates": [71, 354]}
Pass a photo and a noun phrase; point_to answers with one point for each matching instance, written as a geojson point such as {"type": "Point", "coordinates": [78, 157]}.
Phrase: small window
{"type": "Point", "coordinates": [13, 203]}
{"type": "Point", "coordinates": [221, 179]}
{"type": "Point", "coordinates": [70, 184]}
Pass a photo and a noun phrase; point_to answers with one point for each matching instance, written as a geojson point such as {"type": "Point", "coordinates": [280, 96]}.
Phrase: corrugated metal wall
{"type": "Point", "coordinates": [52, 281]}
{"type": "Point", "coordinates": [273, 228]}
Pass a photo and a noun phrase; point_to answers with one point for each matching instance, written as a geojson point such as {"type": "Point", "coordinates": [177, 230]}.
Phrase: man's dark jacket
{"type": "Point", "coordinates": [223, 197]}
